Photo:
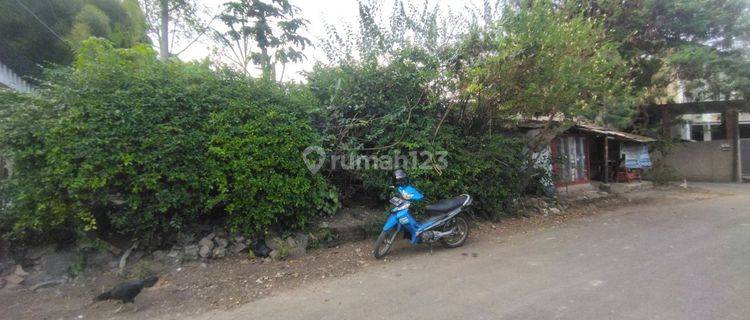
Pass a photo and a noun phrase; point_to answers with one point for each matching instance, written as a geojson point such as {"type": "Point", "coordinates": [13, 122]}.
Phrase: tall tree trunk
{"type": "Point", "coordinates": [164, 39]}
{"type": "Point", "coordinates": [266, 64]}
{"type": "Point", "coordinates": [283, 70]}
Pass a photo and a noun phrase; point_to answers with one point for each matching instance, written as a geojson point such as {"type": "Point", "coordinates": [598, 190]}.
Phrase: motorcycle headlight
{"type": "Point", "coordinates": [406, 195]}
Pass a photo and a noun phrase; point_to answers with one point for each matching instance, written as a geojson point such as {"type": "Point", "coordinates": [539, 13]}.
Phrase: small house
{"type": "Point", "coordinates": [585, 153]}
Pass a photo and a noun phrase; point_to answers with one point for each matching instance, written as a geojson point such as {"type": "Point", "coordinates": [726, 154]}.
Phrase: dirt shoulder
{"type": "Point", "coordinates": [199, 287]}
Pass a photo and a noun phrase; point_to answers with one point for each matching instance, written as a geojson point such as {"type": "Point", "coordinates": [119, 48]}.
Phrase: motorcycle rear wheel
{"type": "Point", "coordinates": [458, 238]}
{"type": "Point", "coordinates": [384, 243]}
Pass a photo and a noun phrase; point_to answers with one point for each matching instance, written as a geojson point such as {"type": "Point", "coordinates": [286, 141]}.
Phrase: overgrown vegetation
{"type": "Point", "coordinates": [122, 143]}
{"type": "Point", "coordinates": [26, 42]}
{"type": "Point", "coordinates": [661, 174]}
{"type": "Point", "coordinates": [702, 43]}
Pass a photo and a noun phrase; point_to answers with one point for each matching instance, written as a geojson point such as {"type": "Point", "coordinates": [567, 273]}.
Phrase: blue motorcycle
{"type": "Point", "coordinates": [443, 224]}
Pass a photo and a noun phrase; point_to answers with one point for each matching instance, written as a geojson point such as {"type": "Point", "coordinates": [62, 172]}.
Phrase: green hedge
{"type": "Point", "coordinates": [376, 109]}
{"type": "Point", "coordinates": [256, 167]}
{"type": "Point", "coordinates": [487, 167]}
{"type": "Point", "coordinates": [123, 143]}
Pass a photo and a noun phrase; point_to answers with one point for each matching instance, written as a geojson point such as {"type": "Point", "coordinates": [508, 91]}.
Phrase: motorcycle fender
{"type": "Point", "coordinates": [391, 222]}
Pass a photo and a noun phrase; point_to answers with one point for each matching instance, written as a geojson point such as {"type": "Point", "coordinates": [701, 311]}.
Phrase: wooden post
{"type": "Point", "coordinates": [606, 159]}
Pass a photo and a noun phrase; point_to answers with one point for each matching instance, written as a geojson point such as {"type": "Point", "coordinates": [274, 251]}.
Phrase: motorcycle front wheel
{"type": "Point", "coordinates": [459, 236]}
{"type": "Point", "coordinates": [384, 243]}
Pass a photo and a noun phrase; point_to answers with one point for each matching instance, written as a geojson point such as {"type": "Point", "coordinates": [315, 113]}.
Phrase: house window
{"type": "Point", "coordinates": [744, 130]}
{"type": "Point", "coordinates": [719, 132]}
{"type": "Point", "coordinates": [696, 132]}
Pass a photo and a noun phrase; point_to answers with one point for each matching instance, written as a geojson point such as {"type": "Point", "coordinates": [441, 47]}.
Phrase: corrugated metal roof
{"type": "Point", "coordinates": [536, 124]}
{"type": "Point", "coordinates": [613, 133]}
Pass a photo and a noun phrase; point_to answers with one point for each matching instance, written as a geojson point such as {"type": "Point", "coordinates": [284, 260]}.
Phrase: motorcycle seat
{"type": "Point", "coordinates": [446, 205]}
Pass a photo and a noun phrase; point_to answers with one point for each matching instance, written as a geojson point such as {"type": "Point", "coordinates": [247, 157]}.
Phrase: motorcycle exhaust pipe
{"type": "Point", "coordinates": [432, 235]}
{"type": "Point", "coordinates": [439, 234]}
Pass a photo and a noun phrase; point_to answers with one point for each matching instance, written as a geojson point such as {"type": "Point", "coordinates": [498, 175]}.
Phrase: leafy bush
{"type": "Point", "coordinates": [401, 87]}
{"type": "Point", "coordinates": [254, 157]}
{"type": "Point", "coordinates": [488, 168]}
{"type": "Point", "coordinates": [390, 110]}
{"type": "Point", "coordinates": [373, 110]}
{"type": "Point", "coordinates": [122, 142]}
{"type": "Point", "coordinates": [661, 175]}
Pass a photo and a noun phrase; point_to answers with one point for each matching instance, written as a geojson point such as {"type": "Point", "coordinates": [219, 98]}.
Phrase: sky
{"type": "Point", "coordinates": [320, 13]}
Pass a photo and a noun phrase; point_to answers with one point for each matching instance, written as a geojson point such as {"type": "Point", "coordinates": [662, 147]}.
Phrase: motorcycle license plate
{"type": "Point", "coordinates": [396, 201]}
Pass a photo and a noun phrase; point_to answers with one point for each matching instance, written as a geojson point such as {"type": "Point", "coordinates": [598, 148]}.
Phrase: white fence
{"type": "Point", "coordinates": [11, 80]}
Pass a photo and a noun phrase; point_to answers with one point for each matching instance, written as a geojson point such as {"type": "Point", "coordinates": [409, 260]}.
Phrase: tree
{"type": "Point", "coordinates": [271, 28]}
{"type": "Point", "coordinates": [121, 22]}
{"type": "Point", "coordinates": [701, 42]}
{"type": "Point", "coordinates": [545, 65]}
{"type": "Point", "coordinates": [171, 21]}
{"type": "Point", "coordinates": [407, 27]}
{"type": "Point", "coordinates": [48, 31]}
{"type": "Point", "coordinates": [548, 65]}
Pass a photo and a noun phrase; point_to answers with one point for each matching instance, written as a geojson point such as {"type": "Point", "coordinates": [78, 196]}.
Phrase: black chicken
{"type": "Point", "coordinates": [127, 291]}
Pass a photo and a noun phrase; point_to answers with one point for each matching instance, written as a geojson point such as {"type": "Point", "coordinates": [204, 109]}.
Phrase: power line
{"type": "Point", "coordinates": [42, 22]}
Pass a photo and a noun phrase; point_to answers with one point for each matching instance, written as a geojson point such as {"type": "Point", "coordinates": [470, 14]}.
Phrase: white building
{"type": "Point", "coordinates": [701, 126]}
{"type": "Point", "coordinates": [708, 127]}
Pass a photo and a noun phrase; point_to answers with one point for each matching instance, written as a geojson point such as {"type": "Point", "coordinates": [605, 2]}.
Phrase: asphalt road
{"type": "Point", "coordinates": [673, 260]}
